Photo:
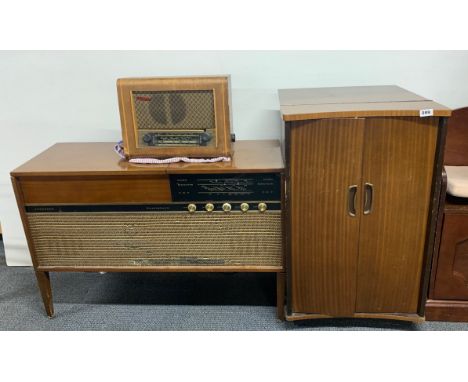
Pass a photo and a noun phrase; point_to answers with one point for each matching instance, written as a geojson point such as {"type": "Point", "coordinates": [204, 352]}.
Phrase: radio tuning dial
{"type": "Point", "coordinates": [262, 207]}
{"type": "Point", "coordinates": [191, 208]}
{"type": "Point", "coordinates": [226, 207]}
{"type": "Point", "coordinates": [244, 207]}
{"type": "Point", "coordinates": [209, 207]}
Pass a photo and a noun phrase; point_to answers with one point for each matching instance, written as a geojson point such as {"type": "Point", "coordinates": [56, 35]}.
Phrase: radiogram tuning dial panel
{"type": "Point", "coordinates": [228, 193]}
{"type": "Point", "coordinates": [227, 188]}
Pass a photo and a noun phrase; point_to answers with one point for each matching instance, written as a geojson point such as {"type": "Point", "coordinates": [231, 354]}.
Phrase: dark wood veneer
{"type": "Point", "coordinates": [86, 189]}
{"type": "Point", "coordinates": [398, 160]}
{"type": "Point", "coordinates": [448, 292]}
{"type": "Point", "coordinates": [373, 264]}
{"type": "Point", "coordinates": [456, 147]}
{"type": "Point", "coordinates": [323, 268]}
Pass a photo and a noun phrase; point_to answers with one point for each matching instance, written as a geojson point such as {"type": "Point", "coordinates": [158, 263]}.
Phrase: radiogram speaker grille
{"type": "Point", "coordinates": [157, 239]}
{"type": "Point", "coordinates": [174, 110]}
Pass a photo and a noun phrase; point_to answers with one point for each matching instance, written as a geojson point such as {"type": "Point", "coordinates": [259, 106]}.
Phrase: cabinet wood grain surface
{"type": "Point", "coordinates": [325, 162]}
{"type": "Point", "coordinates": [452, 268]}
{"type": "Point", "coordinates": [398, 161]}
{"type": "Point", "coordinates": [448, 292]}
{"type": "Point", "coordinates": [361, 190]}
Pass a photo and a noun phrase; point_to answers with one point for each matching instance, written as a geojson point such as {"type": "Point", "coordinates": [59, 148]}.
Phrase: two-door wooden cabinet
{"type": "Point", "coordinates": [361, 184]}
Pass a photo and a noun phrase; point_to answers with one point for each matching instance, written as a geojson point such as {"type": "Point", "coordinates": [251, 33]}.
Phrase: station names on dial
{"type": "Point", "coordinates": [229, 187]}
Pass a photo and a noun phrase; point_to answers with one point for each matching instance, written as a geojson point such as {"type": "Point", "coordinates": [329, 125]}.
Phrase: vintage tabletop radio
{"type": "Point", "coordinates": [180, 116]}
{"type": "Point", "coordinates": [105, 214]}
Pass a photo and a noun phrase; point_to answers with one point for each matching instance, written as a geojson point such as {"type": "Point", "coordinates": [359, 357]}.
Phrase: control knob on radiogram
{"type": "Point", "coordinates": [262, 207]}
{"type": "Point", "coordinates": [226, 207]}
{"type": "Point", "coordinates": [244, 207]}
{"type": "Point", "coordinates": [209, 207]}
{"type": "Point", "coordinates": [192, 208]}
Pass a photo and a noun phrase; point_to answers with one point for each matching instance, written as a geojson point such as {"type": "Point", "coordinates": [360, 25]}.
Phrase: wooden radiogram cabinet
{"type": "Point", "coordinates": [362, 181]}
{"type": "Point", "coordinates": [85, 210]}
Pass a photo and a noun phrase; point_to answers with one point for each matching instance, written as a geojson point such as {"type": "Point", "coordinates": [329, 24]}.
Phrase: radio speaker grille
{"type": "Point", "coordinates": [174, 110]}
{"type": "Point", "coordinates": [157, 239]}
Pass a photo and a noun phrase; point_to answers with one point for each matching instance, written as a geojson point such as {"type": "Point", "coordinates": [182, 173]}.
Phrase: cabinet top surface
{"type": "Point", "coordinates": [99, 158]}
{"type": "Point", "coordinates": [354, 101]}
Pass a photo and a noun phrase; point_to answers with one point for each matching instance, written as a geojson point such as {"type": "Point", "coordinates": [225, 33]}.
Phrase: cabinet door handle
{"type": "Point", "coordinates": [368, 198]}
{"type": "Point", "coordinates": [352, 190]}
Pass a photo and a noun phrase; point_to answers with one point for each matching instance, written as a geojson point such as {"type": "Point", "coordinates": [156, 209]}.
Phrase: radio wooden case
{"type": "Point", "coordinates": [175, 116]}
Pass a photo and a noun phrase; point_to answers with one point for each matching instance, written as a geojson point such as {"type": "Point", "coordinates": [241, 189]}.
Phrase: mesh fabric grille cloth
{"type": "Point", "coordinates": [176, 110]}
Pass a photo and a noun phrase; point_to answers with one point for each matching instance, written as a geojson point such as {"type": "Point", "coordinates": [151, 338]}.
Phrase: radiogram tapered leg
{"type": "Point", "coordinates": [280, 291]}
{"type": "Point", "coordinates": [43, 279]}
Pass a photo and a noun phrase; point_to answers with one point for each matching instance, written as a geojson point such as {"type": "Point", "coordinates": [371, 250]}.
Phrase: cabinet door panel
{"type": "Point", "coordinates": [325, 160]}
{"type": "Point", "coordinates": [451, 281]}
{"type": "Point", "coordinates": [398, 161]}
